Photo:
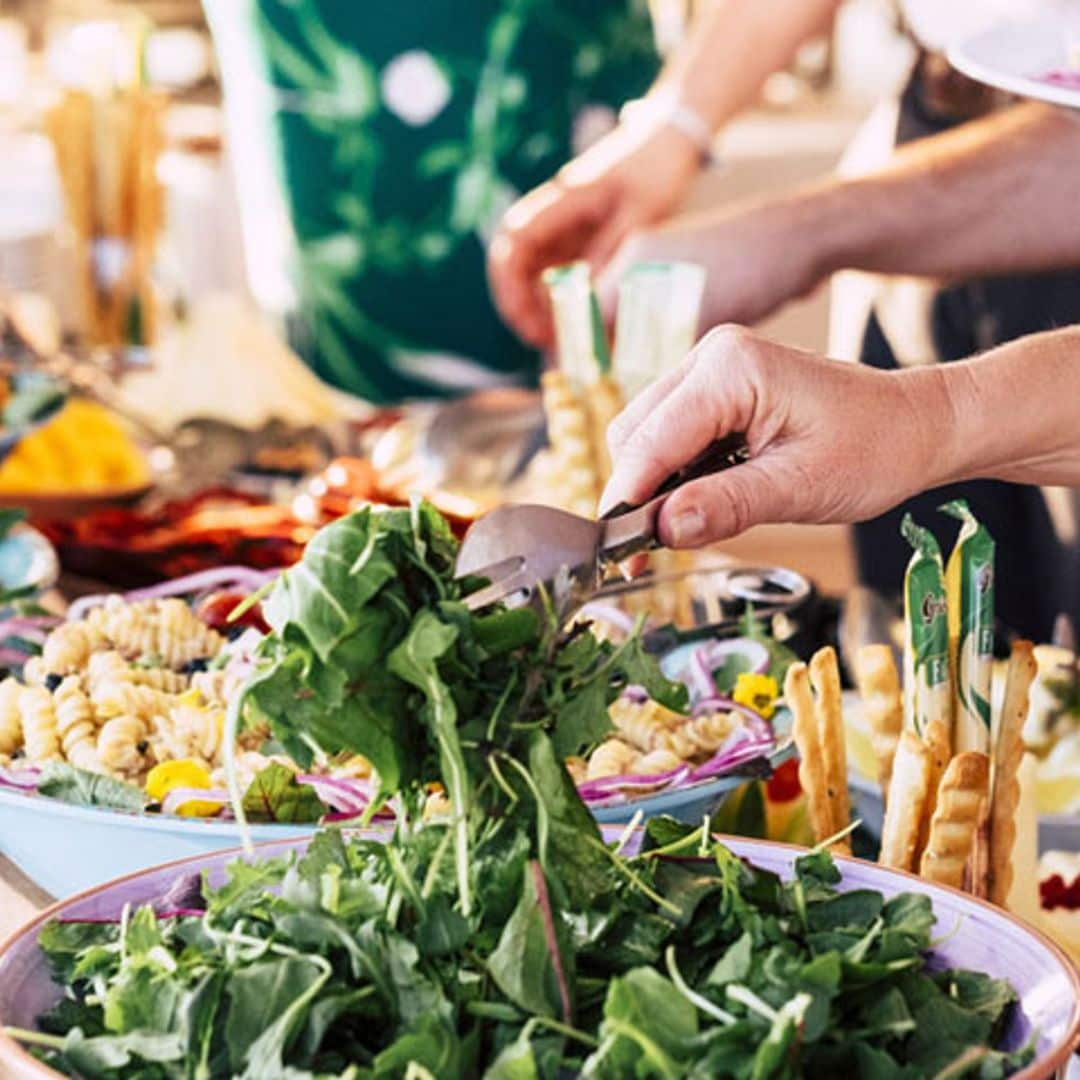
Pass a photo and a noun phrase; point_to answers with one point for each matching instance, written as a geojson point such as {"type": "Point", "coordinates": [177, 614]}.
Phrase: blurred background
{"type": "Point", "coordinates": [140, 230]}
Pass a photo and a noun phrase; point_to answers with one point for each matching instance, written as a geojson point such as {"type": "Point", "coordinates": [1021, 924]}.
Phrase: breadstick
{"type": "Point", "coordinates": [908, 792]}
{"type": "Point", "coordinates": [804, 729]}
{"type": "Point", "coordinates": [1008, 754]}
{"type": "Point", "coordinates": [879, 687]}
{"type": "Point", "coordinates": [935, 738]}
{"type": "Point", "coordinates": [963, 787]}
{"type": "Point", "coordinates": [825, 676]}
{"type": "Point", "coordinates": [574, 479]}
{"type": "Point", "coordinates": [604, 400]}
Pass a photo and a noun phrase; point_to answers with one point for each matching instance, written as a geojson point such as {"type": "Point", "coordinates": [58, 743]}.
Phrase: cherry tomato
{"type": "Point", "coordinates": [783, 785]}
{"type": "Point", "coordinates": [215, 609]}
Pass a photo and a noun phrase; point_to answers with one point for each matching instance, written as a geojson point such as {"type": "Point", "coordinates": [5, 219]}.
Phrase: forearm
{"type": "Point", "coordinates": [733, 47]}
{"type": "Point", "coordinates": [993, 197]}
{"type": "Point", "coordinates": [1011, 414]}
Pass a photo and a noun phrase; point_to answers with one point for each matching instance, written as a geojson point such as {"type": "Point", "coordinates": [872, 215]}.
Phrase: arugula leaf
{"type": "Point", "coordinates": [646, 1031]}
{"type": "Point", "coordinates": [323, 598]}
{"type": "Point", "coordinates": [532, 962]}
{"type": "Point", "coordinates": [429, 1044]}
{"type": "Point", "coordinates": [99, 1055]}
{"type": "Point", "coordinates": [274, 794]}
{"type": "Point", "coordinates": [66, 943]}
{"type": "Point", "coordinates": [62, 781]}
{"type": "Point", "coordinates": [259, 996]}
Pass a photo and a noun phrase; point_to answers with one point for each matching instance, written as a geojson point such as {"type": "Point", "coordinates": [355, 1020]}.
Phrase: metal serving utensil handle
{"type": "Point", "coordinates": [632, 529]}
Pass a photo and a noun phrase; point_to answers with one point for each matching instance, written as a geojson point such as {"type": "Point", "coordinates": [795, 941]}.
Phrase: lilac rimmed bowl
{"type": "Point", "coordinates": [974, 935]}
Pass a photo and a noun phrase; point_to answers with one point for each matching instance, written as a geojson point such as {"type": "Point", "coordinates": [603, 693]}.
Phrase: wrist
{"type": "Point", "coordinates": [662, 110]}
{"type": "Point", "coordinates": [942, 418]}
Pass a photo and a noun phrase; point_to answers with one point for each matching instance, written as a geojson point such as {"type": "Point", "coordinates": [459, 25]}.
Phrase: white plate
{"type": "Point", "coordinates": [1016, 57]}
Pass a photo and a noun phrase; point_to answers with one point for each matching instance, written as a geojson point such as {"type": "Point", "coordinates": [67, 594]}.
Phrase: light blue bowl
{"type": "Point", "coordinates": [688, 804]}
{"type": "Point", "coordinates": [691, 804]}
{"type": "Point", "coordinates": [66, 848]}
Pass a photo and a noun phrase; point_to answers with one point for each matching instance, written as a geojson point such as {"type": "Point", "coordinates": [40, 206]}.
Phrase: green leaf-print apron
{"type": "Point", "coordinates": [399, 131]}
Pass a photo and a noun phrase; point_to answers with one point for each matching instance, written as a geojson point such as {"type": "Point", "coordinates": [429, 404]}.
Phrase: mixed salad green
{"type": "Point", "coordinates": [504, 939]}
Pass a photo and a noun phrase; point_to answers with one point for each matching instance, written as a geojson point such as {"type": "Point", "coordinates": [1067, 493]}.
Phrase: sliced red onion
{"type": "Point", "coordinates": [218, 577]}
{"type": "Point", "coordinates": [342, 794]}
{"type": "Point", "coordinates": [751, 718]}
{"type": "Point", "coordinates": [608, 785]}
{"type": "Point", "coordinates": [716, 652]}
{"type": "Point", "coordinates": [608, 613]}
{"type": "Point", "coordinates": [740, 747]}
{"type": "Point", "coordinates": [24, 779]}
{"type": "Point", "coordinates": [13, 658]}
{"type": "Point", "coordinates": [706, 658]}
{"type": "Point", "coordinates": [181, 913]}
{"type": "Point", "coordinates": [699, 676]}
{"type": "Point", "coordinates": [31, 635]}
{"type": "Point", "coordinates": [637, 694]}
{"type": "Point", "coordinates": [180, 795]}
{"type": "Point", "coordinates": [33, 628]}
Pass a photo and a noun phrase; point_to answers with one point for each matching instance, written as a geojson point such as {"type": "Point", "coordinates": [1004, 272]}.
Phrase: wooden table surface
{"type": "Point", "coordinates": [20, 898]}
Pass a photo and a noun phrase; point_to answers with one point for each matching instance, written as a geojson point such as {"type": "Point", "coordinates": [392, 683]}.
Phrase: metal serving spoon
{"type": "Point", "coordinates": [520, 549]}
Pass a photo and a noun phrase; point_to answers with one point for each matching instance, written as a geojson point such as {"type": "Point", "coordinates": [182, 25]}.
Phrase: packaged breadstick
{"type": "Point", "coordinates": [657, 320]}
{"type": "Point", "coordinates": [927, 691]}
{"type": "Point", "coordinates": [579, 329]}
{"type": "Point", "coordinates": [969, 588]}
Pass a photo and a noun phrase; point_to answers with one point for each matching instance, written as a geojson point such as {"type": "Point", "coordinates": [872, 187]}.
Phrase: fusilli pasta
{"type": "Point", "coordinates": [122, 745]}
{"type": "Point", "coordinates": [68, 648]}
{"type": "Point", "coordinates": [41, 741]}
{"type": "Point", "coordinates": [188, 731]}
{"type": "Point", "coordinates": [11, 734]}
{"type": "Point", "coordinates": [166, 630]}
{"type": "Point", "coordinates": [76, 724]}
{"type": "Point", "coordinates": [612, 757]}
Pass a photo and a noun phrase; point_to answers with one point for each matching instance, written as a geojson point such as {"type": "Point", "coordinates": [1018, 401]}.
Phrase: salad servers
{"type": "Point", "coordinates": [524, 549]}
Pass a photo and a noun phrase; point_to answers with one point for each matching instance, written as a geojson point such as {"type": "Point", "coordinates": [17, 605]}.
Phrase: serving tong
{"type": "Point", "coordinates": [525, 550]}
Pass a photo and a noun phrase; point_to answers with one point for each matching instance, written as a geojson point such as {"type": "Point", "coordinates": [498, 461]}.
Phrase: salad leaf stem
{"type": "Point", "coordinates": [697, 1000]}
{"type": "Point", "coordinates": [623, 867]}
{"type": "Point", "coordinates": [33, 1038]}
{"type": "Point", "coordinates": [548, 916]}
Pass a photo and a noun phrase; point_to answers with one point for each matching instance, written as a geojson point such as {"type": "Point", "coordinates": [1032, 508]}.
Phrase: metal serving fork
{"type": "Point", "coordinates": [520, 549]}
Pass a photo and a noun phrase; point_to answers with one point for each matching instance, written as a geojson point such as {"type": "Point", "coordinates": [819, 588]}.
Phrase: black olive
{"type": "Point", "coordinates": [200, 663]}
{"type": "Point", "coordinates": [142, 746]}
{"type": "Point", "coordinates": [52, 681]}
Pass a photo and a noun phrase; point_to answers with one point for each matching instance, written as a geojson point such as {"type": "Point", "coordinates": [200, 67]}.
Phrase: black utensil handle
{"type": "Point", "coordinates": [719, 455]}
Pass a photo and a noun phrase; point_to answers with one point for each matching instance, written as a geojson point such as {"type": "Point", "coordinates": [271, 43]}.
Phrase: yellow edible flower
{"type": "Point", "coordinates": [757, 692]}
{"type": "Point", "coordinates": [185, 773]}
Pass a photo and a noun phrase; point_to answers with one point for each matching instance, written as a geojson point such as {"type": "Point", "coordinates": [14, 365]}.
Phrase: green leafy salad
{"type": "Point", "coordinates": [505, 939]}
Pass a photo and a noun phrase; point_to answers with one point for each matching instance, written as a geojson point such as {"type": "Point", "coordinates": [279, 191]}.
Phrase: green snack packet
{"type": "Point", "coordinates": [579, 330]}
{"type": "Point", "coordinates": [969, 589]}
{"type": "Point", "coordinates": [927, 689]}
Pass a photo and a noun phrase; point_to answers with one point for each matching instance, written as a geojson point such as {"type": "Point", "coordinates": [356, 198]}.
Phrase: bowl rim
{"type": "Point", "coordinates": [12, 1053]}
{"type": "Point", "coordinates": [783, 752]}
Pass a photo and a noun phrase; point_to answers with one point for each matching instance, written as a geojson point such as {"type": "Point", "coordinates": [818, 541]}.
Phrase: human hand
{"type": "Point", "coordinates": [628, 180]}
{"type": "Point", "coordinates": [828, 441]}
